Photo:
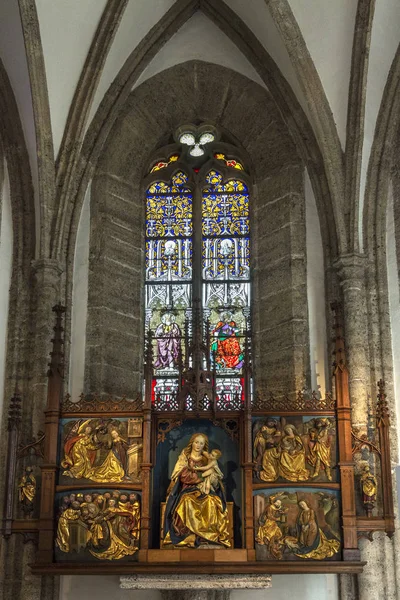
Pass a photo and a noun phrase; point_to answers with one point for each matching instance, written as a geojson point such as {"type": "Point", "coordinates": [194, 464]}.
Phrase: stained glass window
{"type": "Point", "coordinates": [198, 271]}
{"type": "Point", "coordinates": [169, 273]}
{"type": "Point", "coordinates": [226, 277]}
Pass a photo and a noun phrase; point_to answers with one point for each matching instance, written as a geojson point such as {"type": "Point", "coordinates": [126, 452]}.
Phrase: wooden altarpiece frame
{"type": "Point", "coordinates": [154, 422]}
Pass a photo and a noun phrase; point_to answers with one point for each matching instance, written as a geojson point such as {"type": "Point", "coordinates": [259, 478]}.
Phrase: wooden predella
{"type": "Point", "coordinates": [203, 482]}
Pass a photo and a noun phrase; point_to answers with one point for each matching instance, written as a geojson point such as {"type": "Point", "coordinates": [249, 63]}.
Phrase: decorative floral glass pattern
{"type": "Point", "coordinates": [235, 164]}
{"type": "Point", "coordinates": [162, 164]}
{"type": "Point", "coordinates": [225, 214]}
{"type": "Point", "coordinates": [169, 208]}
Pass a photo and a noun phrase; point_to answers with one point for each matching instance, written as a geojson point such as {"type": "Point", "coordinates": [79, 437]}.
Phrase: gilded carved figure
{"type": "Point", "coordinates": [211, 473]}
{"type": "Point", "coordinates": [107, 525]}
{"type": "Point", "coordinates": [292, 460]}
{"type": "Point", "coordinates": [269, 533]}
{"type": "Point", "coordinates": [196, 512]}
{"type": "Point", "coordinates": [266, 450]}
{"type": "Point", "coordinates": [283, 451]}
{"type": "Point", "coordinates": [27, 491]}
{"type": "Point", "coordinates": [320, 448]}
{"type": "Point", "coordinates": [289, 526]}
{"type": "Point", "coordinates": [99, 452]}
{"type": "Point", "coordinates": [369, 487]}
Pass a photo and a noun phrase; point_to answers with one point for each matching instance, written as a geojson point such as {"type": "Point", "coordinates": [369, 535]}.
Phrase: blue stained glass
{"type": "Point", "coordinates": [168, 260]}
{"type": "Point", "coordinates": [179, 178]}
{"type": "Point", "coordinates": [225, 271]}
{"type": "Point", "coordinates": [169, 216]}
{"type": "Point", "coordinates": [226, 258]}
{"type": "Point", "coordinates": [215, 181]}
{"type": "Point", "coordinates": [225, 214]}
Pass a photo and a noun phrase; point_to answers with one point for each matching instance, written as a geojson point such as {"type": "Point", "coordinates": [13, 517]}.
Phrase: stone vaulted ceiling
{"type": "Point", "coordinates": [70, 63]}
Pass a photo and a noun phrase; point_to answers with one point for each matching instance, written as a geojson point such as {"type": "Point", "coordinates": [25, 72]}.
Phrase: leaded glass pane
{"type": "Point", "coordinates": [225, 214]}
{"type": "Point", "coordinates": [224, 306]}
{"type": "Point", "coordinates": [226, 258]}
{"type": "Point", "coordinates": [169, 215]}
{"type": "Point", "coordinates": [168, 260]}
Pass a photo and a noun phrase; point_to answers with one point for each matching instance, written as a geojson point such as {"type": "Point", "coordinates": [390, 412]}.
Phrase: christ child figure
{"type": "Point", "coordinates": [211, 473]}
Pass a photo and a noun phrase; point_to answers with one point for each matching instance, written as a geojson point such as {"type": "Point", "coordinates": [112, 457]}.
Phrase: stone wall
{"type": "Point", "coordinates": [280, 273]}
{"type": "Point", "coordinates": [115, 324]}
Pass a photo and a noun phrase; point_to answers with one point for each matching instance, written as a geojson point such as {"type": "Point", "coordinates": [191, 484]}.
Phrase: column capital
{"type": "Point", "coordinates": [46, 264]}
{"type": "Point", "coordinates": [351, 268]}
{"type": "Point", "coordinates": [47, 272]}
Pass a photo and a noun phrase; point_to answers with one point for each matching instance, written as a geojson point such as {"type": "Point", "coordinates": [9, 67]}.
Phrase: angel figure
{"type": "Point", "coordinates": [80, 450]}
{"type": "Point", "coordinates": [269, 533]}
{"type": "Point", "coordinates": [27, 491]}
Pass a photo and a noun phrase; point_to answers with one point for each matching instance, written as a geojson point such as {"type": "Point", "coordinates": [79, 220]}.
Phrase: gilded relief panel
{"type": "Point", "coordinates": [100, 450]}
{"type": "Point", "coordinates": [296, 449]}
{"type": "Point", "coordinates": [297, 524]}
{"type": "Point", "coordinates": [101, 525]}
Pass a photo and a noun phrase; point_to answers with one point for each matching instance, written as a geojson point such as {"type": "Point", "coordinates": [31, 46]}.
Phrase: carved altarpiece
{"type": "Point", "coordinates": [279, 472]}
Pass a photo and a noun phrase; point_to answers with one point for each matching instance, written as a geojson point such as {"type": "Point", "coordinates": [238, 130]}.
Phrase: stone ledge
{"type": "Point", "coordinates": [197, 582]}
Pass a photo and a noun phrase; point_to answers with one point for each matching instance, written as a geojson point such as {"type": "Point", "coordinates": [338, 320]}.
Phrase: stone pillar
{"type": "Point", "coordinates": [281, 336]}
{"type": "Point", "coordinates": [16, 579]}
{"type": "Point", "coordinates": [47, 291]}
{"type": "Point", "coordinates": [378, 577]}
{"type": "Point", "coordinates": [351, 272]}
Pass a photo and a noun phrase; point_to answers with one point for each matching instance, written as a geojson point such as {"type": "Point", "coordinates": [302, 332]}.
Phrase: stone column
{"type": "Point", "coordinates": [47, 292]}
{"type": "Point", "coordinates": [16, 579]}
{"type": "Point", "coordinates": [378, 578]}
{"type": "Point", "coordinates": [351, 272]}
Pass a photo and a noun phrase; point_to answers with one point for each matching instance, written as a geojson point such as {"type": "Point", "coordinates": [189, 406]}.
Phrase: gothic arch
{"type": "Point", "coordinates": [13, 149]}
{"type": "Point", "coordinates": [41, 110]}
{"type": "Point", "coordinates": [191, 93]}
{"type": "Point", "coordinates": [382, 159]}
{"type": "Point", "coordinates": [318, 164]}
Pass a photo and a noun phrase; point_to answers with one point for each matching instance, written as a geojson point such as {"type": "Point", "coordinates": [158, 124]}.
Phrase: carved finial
{"type": "Point", "coordinates": [382, 407]}
{"type": "Point", "coordinates": [14, 412]}
{"type": "Point", "coordinates": [149, 349]}
{"type": "Point", "coordinates": [339, 352]}
{"type": "Point", "coordinates": [56, 363]}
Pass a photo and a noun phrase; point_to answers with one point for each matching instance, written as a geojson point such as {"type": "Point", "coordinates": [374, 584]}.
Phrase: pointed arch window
{"type": "Point", "coordinates": [198, 288]}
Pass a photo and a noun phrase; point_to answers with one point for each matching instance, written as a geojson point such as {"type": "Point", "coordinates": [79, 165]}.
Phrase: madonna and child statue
{"type": "Point", "coordinates": [196, 513]}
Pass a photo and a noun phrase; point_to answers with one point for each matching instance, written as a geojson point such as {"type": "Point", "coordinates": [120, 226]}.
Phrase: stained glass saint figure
{"type": "Point", "coordinates": [168, 335]}
{"type": "Point", "coordinates": [226, 346]}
